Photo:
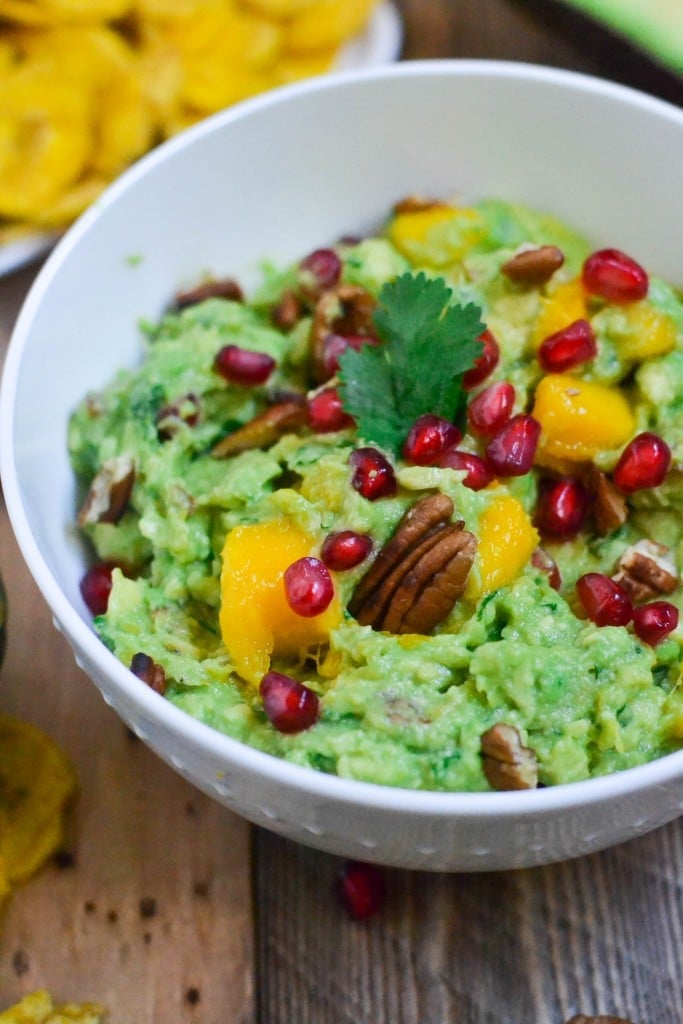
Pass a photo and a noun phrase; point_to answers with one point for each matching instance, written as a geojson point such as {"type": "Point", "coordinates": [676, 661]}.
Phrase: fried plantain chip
{"type": "Point", "coordinates": [38, 1008]}
{"type": "Point", "coordinates": [328, 24]}
{"type": "Point", "coordinates": [279, 10]}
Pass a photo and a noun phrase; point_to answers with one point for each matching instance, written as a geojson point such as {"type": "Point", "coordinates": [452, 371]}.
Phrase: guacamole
{"type": "Point", "coordinates": [497, 592]}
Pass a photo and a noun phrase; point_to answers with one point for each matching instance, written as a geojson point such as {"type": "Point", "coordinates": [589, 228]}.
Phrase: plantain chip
{"type": "Point", "coordinates": [61, 11]}
{"type": "Point", "coordinates": [279, 10]}
{"type": "Point", "coordinates": [328, 24]}
{"type": "Point", "coordinates": [38, 1008]}
{"type": "Point", "coordinates": [37, 785]}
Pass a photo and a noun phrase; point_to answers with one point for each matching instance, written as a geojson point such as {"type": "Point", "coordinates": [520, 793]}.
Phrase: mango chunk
{"type": "Point", "coordinates": [507, 539]}
{"type": "Point", "coordinates": [437, 235]}
{"type": "Point", "coordinates": [580, 418]}
{"type": "Point", "coordinates": [255, 618]}
{"type": "Point", "coordinates": [649, 332]}
{"type": "Point", "coordinates": [565, 305]}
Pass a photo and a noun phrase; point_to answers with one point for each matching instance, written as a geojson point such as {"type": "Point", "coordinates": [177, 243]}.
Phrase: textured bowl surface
{"type": "Point", "coordinates": [276, 177]}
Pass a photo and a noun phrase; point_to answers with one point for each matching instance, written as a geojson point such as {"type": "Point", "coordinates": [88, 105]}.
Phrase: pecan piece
{"type": "Point", "coordinates": [226, 288]}
{"type": "Point", "coordinates": [416, 204]}
{"type": "Point", "coordinates": [506, 762]}
{"type": "Point", "coordinates": [110, 491]}
{"type": "Point", "coordinates": [534, 265]}
{"type": "Point", "coordinates": [345, 310]}
{"type": "Point", "coordinates": [610, 510]}
{"type": "Point", "coordinates": [288, 311]}
{"type": "Point", "coordinates": [264, 430]}
{"type": "Point", "coordinates": [149, 671]}
{"type": "Point", "coordinates": [646, 570]}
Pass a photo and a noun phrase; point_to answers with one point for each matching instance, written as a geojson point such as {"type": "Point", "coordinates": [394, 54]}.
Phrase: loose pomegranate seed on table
{"type": "Point", "coordinates": [242, 366]}
{"type": "Point", "coordinates": [479, 473]}
{"type": "Point", "coordinates": [569, 347]}
{"type": "Point", "coordinates": [562, 507]}
{"type": "Point", "coordinates": [345, 550]}
{"type": "Point", "coordinates": [604, 601]}
{"type": "Point", "coordinates": [95, 587]}
{"type": "Point", "coordinates": [491, 408]}
{"type": "Point", "coordinates": [429, 437]}
{"type": "Point", "coordinates": [323, 267]}
{"type": "Point", "coordinates": [373, 475]}
{"type": "Point", "coordinates": [644, 462]}
{"type": "Point", "coordinates": [512, 449]}
{"type": "Point", "coordinates": [326, 412]}
{"type": "Point", "coordinates": [290, 706]}
{"type": "Point", "coordinates": [308, 587]}
{"type": "Point", "coordinates": [484, 364]}
{"type": "Point", "coordinates": [653, 622]}
{"type": "Point", "coordinates": [362, 889]}
{"type": "Point", "coordinates": [614, 276]}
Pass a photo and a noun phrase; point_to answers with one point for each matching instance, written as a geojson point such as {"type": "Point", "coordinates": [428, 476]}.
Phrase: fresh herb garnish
{"type": "Point", "coordinates": [427, 346]}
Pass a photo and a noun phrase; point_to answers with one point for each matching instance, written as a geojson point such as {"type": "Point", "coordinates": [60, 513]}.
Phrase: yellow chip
{"type": "Point", "coordinates": [328, 24]}
{"type": "Point", "coordinates": [70, 204]}
{"type": "Point", "coordinates": [85, 10]}
{"type": "Point", "coordinates": [25, 12]}
{"type": "Point", "coordinates": [279, 10]}
{"type": "Point", "coordinates": [292, 68]}
{"type": "Point", "coordinates": [37, 784]}
{"type": "Point", "coordinates": [38, 1008]}
{"type": "Point", "coordinates": [177, 10]}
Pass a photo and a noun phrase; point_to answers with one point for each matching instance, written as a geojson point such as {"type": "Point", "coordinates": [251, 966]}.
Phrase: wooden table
{"type": "Point", "coordinates": [174, 911]}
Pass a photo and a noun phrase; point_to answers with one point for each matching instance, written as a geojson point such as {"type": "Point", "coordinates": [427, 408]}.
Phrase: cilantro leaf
{"type": "Point", "coordinates": [427, 346]}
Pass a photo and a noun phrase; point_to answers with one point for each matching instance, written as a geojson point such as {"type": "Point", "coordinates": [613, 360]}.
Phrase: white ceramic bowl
{"type": "Point", "coordinates": [276, 177]}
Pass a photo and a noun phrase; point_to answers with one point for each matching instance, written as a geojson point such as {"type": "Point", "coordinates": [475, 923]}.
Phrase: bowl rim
{"type": "Point", "coordinates": [226, 751]}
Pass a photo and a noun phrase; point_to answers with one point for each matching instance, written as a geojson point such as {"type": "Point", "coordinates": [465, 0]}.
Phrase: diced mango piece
{"type": "Point", "coordinates": [255, 618]}
{"type": "Point", "coordinates": [566, 304]}
{"type": "Point", "coordinates": [436, 235]}
{"type": "Point", "coordinates": [507, 539]}
{"type": "Point", "coordinates": [649, 332]}
{"type": "Point", "coordinates": [580, 418]}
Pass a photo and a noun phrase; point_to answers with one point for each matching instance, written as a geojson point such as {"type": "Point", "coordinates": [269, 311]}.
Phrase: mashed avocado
{"type": "Point", "coordinates": [220, 492]}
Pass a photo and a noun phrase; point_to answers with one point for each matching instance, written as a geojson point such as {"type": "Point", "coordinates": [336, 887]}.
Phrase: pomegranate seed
{"type": "Point", "coordinates": [242, 366]}
{"type": "Point", "coordinates": [614, 276]}
{"type": "Point", "coordinates": [373, 475]}
{"type": "Point", "coordinates": [603, 600]}
{"type": "Point", "coordinates": [336, 344]}
{"type": "Point", "coordinates": [512, 449]}
{"type": "Point", "coordinates": [562, 507]}
{"type": "Point", "coordinates": [542, 561]}
{"type": "Point", "coordinates": [569, 347]}
{"type": "Point", "coordinates": [644, 462]}
{"type": "Point", "coordinates": [321, 269]}
{"type": "Point", "coordinates": [479, 473]}
{"type": "Point", "coordinates": [429, 437]}
{"type": "Point", "coordinates": [326, 412]}
{"type": "Point", "coordinates": [308, 587]}
{"type": "Point", "coordinates": [289, 705]}
{"type": "Point", "coordinates": [653, 622]}
{"type": "Point", "coordinates": [362, 889]}
{"type": "Point", "coordinates": [491, 408]}
{"type": "Point", "coordinates": [95, 587]}
{"type": "Point", "coordinates": [345, 550]}
{"type": "Point", "coordinates": [483, 364]}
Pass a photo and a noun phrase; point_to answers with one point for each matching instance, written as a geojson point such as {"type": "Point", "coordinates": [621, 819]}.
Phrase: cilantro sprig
{"type": "Point", "coordinates": [427, 346]}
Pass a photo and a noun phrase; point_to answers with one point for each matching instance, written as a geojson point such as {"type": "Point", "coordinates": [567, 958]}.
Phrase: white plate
{"type": "Point", "coordinates": [379, 44]}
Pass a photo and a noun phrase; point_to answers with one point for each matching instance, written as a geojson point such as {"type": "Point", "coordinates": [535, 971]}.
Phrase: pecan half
{"type": "Point", "coordinates": [264, 430]}
{"type": "Point", "coordinates": [610, 510]}
{"type": "Point", "coordinates": [149, 671]}
{"type": "Point", "coordinates": [109, 493]}
{"type": "Point", "coordinates": [647, 570]}
{"type": "Point", "coordinates": [534, 265]}
{"type": "Point", "coordinates": [223, 289]}
{"type": "Point", "coordinates": [506, 762]}
{"type": "Point", "coordinates": [288, 311]}
{"type": "Point", "coordinates": [419, 574]}
{"type": "Point", "coordinates": [581, 1018]}
{"type": "Point", "coordinates": [345, 310]}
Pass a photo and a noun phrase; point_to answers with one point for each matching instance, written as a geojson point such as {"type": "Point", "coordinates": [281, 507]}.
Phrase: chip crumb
{"type": "Point", "coordinates": [148, 906]}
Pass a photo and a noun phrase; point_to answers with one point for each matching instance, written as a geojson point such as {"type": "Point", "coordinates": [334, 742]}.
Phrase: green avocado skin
{"type": "Point", "coordinates": [395, 710]}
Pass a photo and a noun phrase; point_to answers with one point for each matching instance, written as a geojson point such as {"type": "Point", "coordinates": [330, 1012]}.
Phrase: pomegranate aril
{"type": "Point", "coordinates": [644, 462]}
{"type": "Point", "coordinates": [289, 705]}
{"type": "Point", "coordinates": [362, 889]}
{"type": "Point", "coordinates": [604, 601]}
{"type": "Point", "coordinates": [95, 587]}
{"type": "Point", "coordinates": [321, 269]}
{"type": "Point", "coordinates": [326, 412]}
{"type": "Point", "coordinates": [479, 473]}
{"type": "Point", "coordinates": [484, 364]}
{"type": "Point", "coordinates": [542, 561]}
{"type": "Point", "coordinates": [335, 345]}
{"type": "Point", "coordinates": [430, 436]}
{"type": "Point", "coordinates": [653, 622]}
{"type": "Point", "coordinates": [345, 550]}
{"type": "Point", "coordinates": [614, 276]}
{"type": "Point", "coordinates": [571, 346]}
{"type": "Point", "coordinates": [491, 408]}
{"type": "Point", "coordinates": [512, 449]}
{"type": "Point", "coordinates": [562, 507]}
{"type": "Point", "coordinates": [373, 475]}
{"type": "Point", "coordinates": [308, 587]}
{"type": "Point", "coordinates": [242, 366]}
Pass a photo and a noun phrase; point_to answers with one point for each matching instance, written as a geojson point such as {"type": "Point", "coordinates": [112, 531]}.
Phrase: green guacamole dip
{"type": "Point", "coordinates": [398, 710]}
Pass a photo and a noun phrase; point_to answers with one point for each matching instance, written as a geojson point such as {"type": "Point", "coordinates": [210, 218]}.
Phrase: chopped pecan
{"type": "Point", "coordinates": [109, 493]}
{"type": "Point", "coordinates": [345, 310]}
{"type": "Point", "coordinates": [419, 574]}
{"type": "Point", "coordinates": [288, 311]}
{"type": "Point", "coordinates": [506, 762]}
{"type": "Point", "coordinates": [534, 265]}
{"type": "Point", "coordinates": [647, 570]}
{"type": "Point", "coordinates": [264, 430]}
{"type": "Point", "coordinates": [416, 204]}
{"type": "Point", "coordinates": [581, 1018]}
{"type": "Point", "coordinates": [223, 289]}
{"type": "Point", "coordinates": [149, 671]}
{"type": "Point", "coordinates": [169, 419]}
{"type": "Point", "coordinates": [610, 510]}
